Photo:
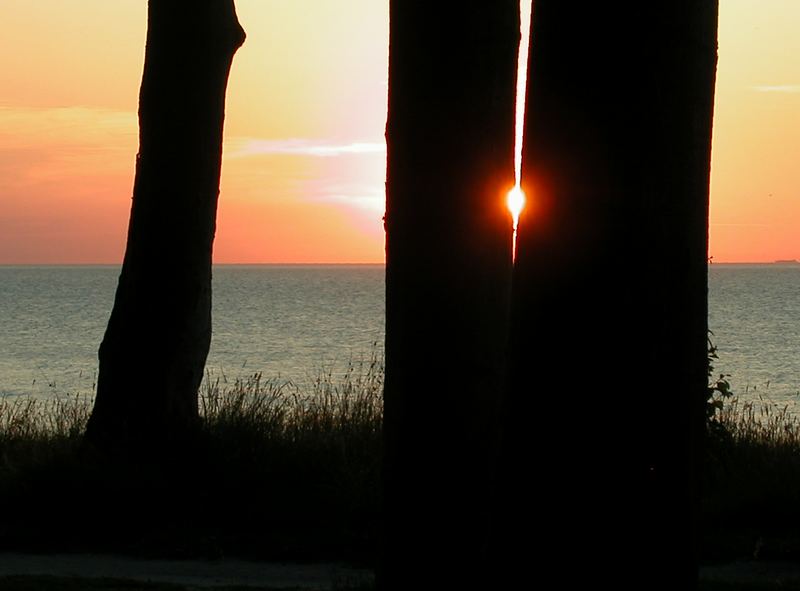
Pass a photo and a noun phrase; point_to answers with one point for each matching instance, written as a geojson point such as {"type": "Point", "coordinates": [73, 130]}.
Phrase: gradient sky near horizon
{"type": "Point", "coordinates": [304, 160]}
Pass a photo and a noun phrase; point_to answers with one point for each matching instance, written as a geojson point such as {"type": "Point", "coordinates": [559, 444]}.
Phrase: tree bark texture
{"type": "Point", "coordinates": [153, 354]}
{"type": "Point", "coordinates": [609, 320]}
{"type": "Point", "coordinates": [450, 139]}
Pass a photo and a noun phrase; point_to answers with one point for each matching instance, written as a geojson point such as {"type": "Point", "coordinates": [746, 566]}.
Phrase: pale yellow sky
{"type": "Point", "coordinates": [304, 161]}
{"type": "Point", "coordinates": [755, 188]}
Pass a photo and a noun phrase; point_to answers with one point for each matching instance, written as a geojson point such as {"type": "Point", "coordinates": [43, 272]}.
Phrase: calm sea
{"type": "Point", "coordinates": [291, 322]}
{"type": "Point", "coordinates": [288, 322]}
{"type": "Point", "coordinates": [754, 313]}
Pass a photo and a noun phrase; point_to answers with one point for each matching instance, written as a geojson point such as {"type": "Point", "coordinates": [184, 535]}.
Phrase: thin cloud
{"type": "Point", "coordinates": [366, 197]}
{"type": "Point", "coordinates": [374, 203]}
{"type": "Point", "coordinates": [741, 225]}
{"type": "Point", "coordinates": [75, 128]}
{"type": "Point", "coordinates": [240, 148]}
{"type": "Point", "coordinates": [64, 145]}
{"type": "Point", "coordinates": [787, 88]}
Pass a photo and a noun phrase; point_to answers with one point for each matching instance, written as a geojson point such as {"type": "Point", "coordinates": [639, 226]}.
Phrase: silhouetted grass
{"type": "Point", "coordinates": [742, 586]}
{"type": "Point", "coordinates": [45, 583]}
{"type": "Point", "coordinates": [281, 472]}
{"type": "Point", "coordinates": [751, 483]}
{"type": "Point", "coordinates": [322, 445]}
{"type": "Point", "coordinates": [28, 424]}
{"type": "Point", "coordinates": [286, 472]}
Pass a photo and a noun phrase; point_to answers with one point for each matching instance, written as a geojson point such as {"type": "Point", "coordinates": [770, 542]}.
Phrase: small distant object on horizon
{"type": "Point", "coordinates": [787, 262]}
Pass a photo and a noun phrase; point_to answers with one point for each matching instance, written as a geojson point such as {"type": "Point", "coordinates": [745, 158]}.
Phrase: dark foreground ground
{"type": "Point", "coordinates": [91, 572]}
{"type": "Point", "coordinates": [68, 572]}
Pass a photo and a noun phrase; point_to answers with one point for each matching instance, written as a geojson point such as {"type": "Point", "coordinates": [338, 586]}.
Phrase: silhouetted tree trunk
{"type": "Point", "coordinates": [610, 300]}
{"type": "Point", "coordinates": [450, 137]}
{"type": "Point", "coordinates": [153, 354]}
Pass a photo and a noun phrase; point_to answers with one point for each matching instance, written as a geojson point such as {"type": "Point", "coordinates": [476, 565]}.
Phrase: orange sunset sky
{"type": "Point", "coordinates": [304, 161]}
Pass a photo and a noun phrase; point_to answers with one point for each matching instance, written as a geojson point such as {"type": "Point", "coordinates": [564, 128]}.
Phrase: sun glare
{"type": "Point", "coordinates": [516, 197]}
{"type": "Point", "coordinates": [515, 202]}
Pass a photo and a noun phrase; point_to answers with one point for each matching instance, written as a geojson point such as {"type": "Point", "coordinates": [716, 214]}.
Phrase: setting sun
{"type": "Point", "coordinates": [515, 202]}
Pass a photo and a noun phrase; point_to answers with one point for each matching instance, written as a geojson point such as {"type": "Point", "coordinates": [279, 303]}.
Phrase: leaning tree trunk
{"type": "Point", "coordinates": [609, 305]}
{"type": "Point", "coordinates": [450, 139]}
{"type": "Point", "coordinates": [153, 354]}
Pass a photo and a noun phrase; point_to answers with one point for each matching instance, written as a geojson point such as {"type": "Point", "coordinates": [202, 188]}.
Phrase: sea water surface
{"type": "Point", "coordinates": [754, 314]}
{"type": "Point", "coordinates": [286, 322]}
{"type": "Point", "coordinates": [293, 321]}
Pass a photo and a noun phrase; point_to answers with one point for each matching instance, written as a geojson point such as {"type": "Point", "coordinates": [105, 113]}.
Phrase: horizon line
{"type": "Point", "coordinates": [226, 264]}
{"type": "Point", "coordinates": [328, 264]}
